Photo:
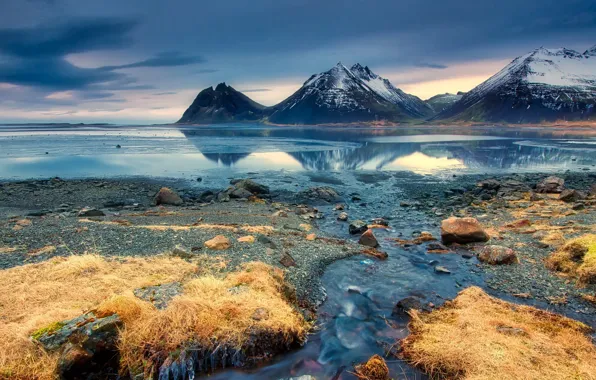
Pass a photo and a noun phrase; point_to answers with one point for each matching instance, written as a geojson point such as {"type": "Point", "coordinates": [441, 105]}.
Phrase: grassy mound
{"type": "Point", "coordinates": [374, 369]}
{"type": "Point", "coordinates": [577, 257]}
{"type": "Point", "coordinates": [476, 336]}
{"type": "Point", "coordinates": [37, 296]}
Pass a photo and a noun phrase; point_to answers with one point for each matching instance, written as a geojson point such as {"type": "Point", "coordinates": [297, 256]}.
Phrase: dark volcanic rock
{"type": "Point", "coordinates": [357, 227]}
{"type": "Point", "coordinates": [159, 295]}
{"type": "Point", "coordinates": [222, 104]}
{"type": "Point", "coordinates": [569, 195]}
{"type": "Point", "coordinates": [324, 193]}
{"type": "Point", "coordinates": [550, 184]}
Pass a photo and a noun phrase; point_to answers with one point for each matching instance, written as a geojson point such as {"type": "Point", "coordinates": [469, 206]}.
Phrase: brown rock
{"type": "Point", "coordinates": [167, 196]}
{"type": "Point", "coordinates": [343, 217]}
{"type": "Point", "coordinates": [550, 184]}
{"type": "Point", "coordinates": [368, 239]}
{"type": "Point", "coordinates": [569, 196]}
{"type": "Point", "coordinates": [287, 260]}
{"type": "Point", "coordinates": [518, 224]}
{"type": "Point", "coordinates": [426, 236]}
{"type": "Point", "coordinates": [247, 239]}
{"type": "Point", "coordinates": [219, 242]}
{"type": "Point", "coordinates": [462, 230]}
{"type": "Point", "coordinates": [311, 237]}
{"type": "Point", "coordinates": [497, 255]}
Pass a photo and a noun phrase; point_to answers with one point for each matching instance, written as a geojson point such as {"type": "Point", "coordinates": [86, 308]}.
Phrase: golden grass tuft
{"type": "Point", "coordinates": [374, 369]}
{"type": "Point", "coordinates": [35, 296]}
{"type": "Point", "coordinates": [476, 336]}
{"type": "Point", "coordinates": [577, 257]}
{"type": "Point", "coordinates": [211, 311]}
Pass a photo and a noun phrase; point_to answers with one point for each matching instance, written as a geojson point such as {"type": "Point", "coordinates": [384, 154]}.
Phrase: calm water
{"type": "Point", "coordinates": [355, 321]}
{"type": "Point", "coordinates": [71, 152]}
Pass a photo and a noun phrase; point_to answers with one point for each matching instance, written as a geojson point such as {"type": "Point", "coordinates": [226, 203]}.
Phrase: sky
{"type": "Point", "coordinates": [144, 61]}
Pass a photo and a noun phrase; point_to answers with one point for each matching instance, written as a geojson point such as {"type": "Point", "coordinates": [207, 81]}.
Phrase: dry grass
{"type": "Point", "coordinates": [577, 257]}
{"type": "Point", "coordinates": [374, 369]}
{"type": "Point", "coordinates": [476, 336]}
{"type": "Point", "coordinates": [207, 314]}
{"type": "Point", "coordinates": [7, 250]}
{"type": "Point", "coordinates": [36, 295]}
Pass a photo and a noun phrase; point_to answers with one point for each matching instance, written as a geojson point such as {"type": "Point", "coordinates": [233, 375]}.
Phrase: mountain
{"type": "Point", "coordinates": [441, 102]}
{"type": "Point", "coordinates": [341, 95]}
{"type": "Point", "coordinates": [222, 104]}
{"type": "Point", "coordinates": [410, 104]}
{"type": "Point", "coordinates": [543, 85]}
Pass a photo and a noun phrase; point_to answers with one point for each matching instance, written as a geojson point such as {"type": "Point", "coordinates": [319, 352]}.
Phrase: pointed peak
{"type": "Point", "coordinates": [591, 51]}
{"type": "Point", "coordinates": [221, 87]}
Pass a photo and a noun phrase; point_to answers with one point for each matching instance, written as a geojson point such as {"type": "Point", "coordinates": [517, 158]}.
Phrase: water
{"type": "Point", "coordinates": [355, 322]}
{"type": "Point", "coordinates": [183, 152]}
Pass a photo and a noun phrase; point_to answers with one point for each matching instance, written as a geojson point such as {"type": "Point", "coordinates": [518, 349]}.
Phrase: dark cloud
{"type": "Point", "coordinates": [431, 65]}
{"type": "Point", "coordinates": [166, 59]}
{"type": "Point", "coordinates": [59, 40]}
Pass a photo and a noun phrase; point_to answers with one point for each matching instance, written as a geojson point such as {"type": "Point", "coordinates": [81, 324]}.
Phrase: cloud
{"type": "Point", "coordinates": [431, 65]}
{"type": "Point", "coordinates": [79, 36]}
{"type": "Point", "coordinates": [166, 59]}
{"type": "Point", "coordinates": [205, 71]}
{"type": "Point", "coordinates": [165, 93]}
{"type": "Point", "coordinates": [256, 90]}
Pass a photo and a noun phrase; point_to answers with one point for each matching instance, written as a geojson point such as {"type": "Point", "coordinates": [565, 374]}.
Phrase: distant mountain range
{"type": "Point", "coordinates": [543, 85]}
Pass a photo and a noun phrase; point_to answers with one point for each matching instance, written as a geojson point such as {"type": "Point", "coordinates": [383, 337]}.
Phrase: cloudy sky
{"type": "Point", "coordinates": [143, 61]}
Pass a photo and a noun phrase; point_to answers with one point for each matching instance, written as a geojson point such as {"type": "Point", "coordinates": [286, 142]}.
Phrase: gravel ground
{"type": "Point", "coordinates": [132, 226]}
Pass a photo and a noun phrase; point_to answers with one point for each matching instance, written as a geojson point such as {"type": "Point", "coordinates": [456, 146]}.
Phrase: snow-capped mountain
{"type": "Point", "coordinates": [441, 102]}
{"type": "Point", "coordinates": [222, 104]}
{"type": "Point", "coordinates": [411, 105]}
{"type": "Point", "coordinates": [543, 85]}
{"type": "Point", "coordinates": [342, 95]}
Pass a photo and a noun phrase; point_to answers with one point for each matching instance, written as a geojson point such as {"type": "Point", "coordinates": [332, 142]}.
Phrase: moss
{"type": "Point", "coordinates": [577, 257]}
{"type": "Point", "coordinates": [47, 330]}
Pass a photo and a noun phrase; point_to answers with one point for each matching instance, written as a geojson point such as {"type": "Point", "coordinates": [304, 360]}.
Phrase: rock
{"type": "Point", "coordinates": [118, 146]}
{"type": "Point", "coordinates": [403, 306]}
{"type": "Point", "coordinates": [569, 196]}
{"type": "Point", "coordinates": [339, 207]}
{"type": "Point", "coordinates": [159, 295]}
{"type": "Point", "coordinates": [426, 236]}
{"type": "Point", "coordinates": [251, 186]}
{"type": "Point", "coordinates": [592, 191]}
{"type": "Point", "coordinates": [357, 227]}
{"type": "Point", "coordinates": [280, 214]}
{"type": "Point", "coordinates": [520, 223]}
{"type": "Point", "coordinates": [343, 217]}
{"type": "Point", "coordinates": [324, 193]}
{"type": "Point", "coordinates": [442, 270]}
{"type": "Point", "coordinates": [311, 237]}
{"type": "Point", "coordinates": [368, 239]}
{"type": "Point", "coordinates": [497, 255]}
{"type": "Point", "coordinates": [535, 197]}
{"type": "Point", "coordinates": [260, 314]}
{"type": "Point", "coordinates": [437, 248]}
{"type": "Point", "coordinates": [246, 239]}
{"type": "Point", "coordinates": [89, 211]}
{"type": "Point", "coordinates": [181, 252]}
{"type": "Point", "coordinates": [380, 222]}
{"type": "Point", "coordinates": [578, 206]}
{"type": "Point", "coordinates": [287, 260]}
{"type": "Point", "coordinates": [489, 184]}
{"type": "Point", "coordinates": [266, 241]}
{"type": "Point", "coordinates": [240, 193]}
{"type": "Point", "coordinates": [462, 230]}
{"type": "Point", "coordinates": [550, 184]}
{"type": "Point", "coordinates": [167, 196]}
{"type": "Point", "coordinates": [219, 242]}
{"type": "Point", "coordinates": [223, 196]}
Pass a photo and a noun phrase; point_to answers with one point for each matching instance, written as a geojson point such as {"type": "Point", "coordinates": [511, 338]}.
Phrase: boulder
{"type": "Point", "coordinates": [218, 243]}
{"type": "Point", "coordinates": [287, 260]}
{"type": "Point", "coordinates": [167, 196]}
{"type": "Point", "coordinates": [550, 184]}
{"type": "Point", "coordinates": [357, 227]}
{"type": "Point", "coordinates": [404, 305]}
{"type": "Point", "coordinates": [462, 230]}
{"type": "Point", "coordinates": [250, 186]}
{"type": "Point", "coordinates": [489, 184]}
{"type": "Point", "coordinates": [368, 239]}
{"type": "Point", "coordinates": [570, 196]}
{"type": "Point", "coordinates": [240, 193]}
{"type": "Point", "coordinates": [497, 255]}
{"type": "Point", "coordinates": [90, 211]}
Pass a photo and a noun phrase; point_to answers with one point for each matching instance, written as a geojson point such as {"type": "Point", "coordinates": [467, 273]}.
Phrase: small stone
{"type": "Point", "coordinates": [339, 207]}
{"type": "Point", "coordinates": [497, 255]}
{"type": "Point", "coordinates": [23, 222]}
{"type": "Point", "coordinates": [266, 241]}
{"type": "Point", "coordinates": [578, 206]}
{"type": "Point", "coordinates": [118, 146]}
{"type": "Point", "coordinates": [181, 252]}
{"type": "Point", "coordinates": [260, 314]}
{"type": "Point", "coordinates": [167, 196]}
{"type": "Point", "coordinates": [287, 260]}
{"type": "Point", "coordinates": [380, 222]}
{"type": "Point", "coordinates": [357, 227]}
{"type": "Point", "coordinates": [343, 217]}
{"type": "Point", "coordinates": [437, 248]}
{"type": "Point", "coordinates": [280, 214]}
{"type": "Point", "coordinates": [246, 239]}
{"type": "Point", "coordinates": [219, 242]}
{"type": "Point", "coordinates": [426, 236]}
{"type": "Point", "coordinates": [404, 305]}
{"type": "Point", "coordinates": [368, 239]}
{"type": "Point", "coordinates": [311, 237]}
{"type": "Point", "coordinates": [89, 211]}
{"type": "Point", "coordinates": [442, 270]}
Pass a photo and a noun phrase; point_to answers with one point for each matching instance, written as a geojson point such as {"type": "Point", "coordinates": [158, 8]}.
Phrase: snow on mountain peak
{"type": "Point", "coordinates": [591, 52]}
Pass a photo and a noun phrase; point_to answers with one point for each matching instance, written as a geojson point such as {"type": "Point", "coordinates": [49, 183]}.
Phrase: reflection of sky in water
{"type": "Point", "coordinates": [174, 153]}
